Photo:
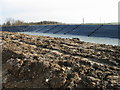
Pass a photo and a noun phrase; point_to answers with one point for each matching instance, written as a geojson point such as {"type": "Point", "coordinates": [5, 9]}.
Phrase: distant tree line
{"type": "Point", "coordinates": [13, 22]}
{"type": "Point", "coordinates": [46, 22]}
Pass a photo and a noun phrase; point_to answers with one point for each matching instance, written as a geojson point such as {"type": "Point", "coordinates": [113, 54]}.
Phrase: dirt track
{"type": "Point", "coordinates": [47, 62]}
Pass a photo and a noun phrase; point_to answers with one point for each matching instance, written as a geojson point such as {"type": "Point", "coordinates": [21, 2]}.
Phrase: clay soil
{"type": "Point", "coordinates": [48, 62]}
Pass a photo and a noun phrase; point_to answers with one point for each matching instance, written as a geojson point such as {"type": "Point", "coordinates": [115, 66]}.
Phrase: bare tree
{"type": "Point", "coordinates": [12, 22]}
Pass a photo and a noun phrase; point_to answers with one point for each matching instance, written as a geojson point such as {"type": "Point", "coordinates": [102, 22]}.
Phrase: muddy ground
{"type": "Point", "coordinates": [47, 62]}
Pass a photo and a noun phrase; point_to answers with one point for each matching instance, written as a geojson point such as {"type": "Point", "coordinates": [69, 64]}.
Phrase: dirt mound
{"type": "Point", "coordinates": [46, 62]}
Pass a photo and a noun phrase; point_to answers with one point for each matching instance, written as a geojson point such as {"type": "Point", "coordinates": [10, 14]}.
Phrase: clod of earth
{"type": "Point", "coordinates": [47, 62]}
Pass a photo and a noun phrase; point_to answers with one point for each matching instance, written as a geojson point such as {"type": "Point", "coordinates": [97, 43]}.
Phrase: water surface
{"type": "Point", "coordinates": [99, 40]}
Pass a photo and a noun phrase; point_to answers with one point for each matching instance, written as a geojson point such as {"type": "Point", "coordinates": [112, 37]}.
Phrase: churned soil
{"type": "Point", "coordinates": [49, 62]}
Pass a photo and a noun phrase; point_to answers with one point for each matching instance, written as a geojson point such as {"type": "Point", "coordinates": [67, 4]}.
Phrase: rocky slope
{"type": "Point", "coordinates": [47, 62]}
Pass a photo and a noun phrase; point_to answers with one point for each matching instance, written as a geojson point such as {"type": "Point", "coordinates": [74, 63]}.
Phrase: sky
{"type": "Point", "coordinates": [66, 11]}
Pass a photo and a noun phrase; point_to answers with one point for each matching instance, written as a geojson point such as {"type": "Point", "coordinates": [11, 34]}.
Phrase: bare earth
{"type": "Point", "coordinates": [47, 62]}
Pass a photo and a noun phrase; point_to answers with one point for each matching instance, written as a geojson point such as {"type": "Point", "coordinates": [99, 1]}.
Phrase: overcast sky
{"type": "Point", "coordinates": [66, 11]}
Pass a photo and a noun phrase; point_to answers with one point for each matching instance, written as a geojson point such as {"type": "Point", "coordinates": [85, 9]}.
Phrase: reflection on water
{"type": "Point", "coordinates": [107, 41]}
